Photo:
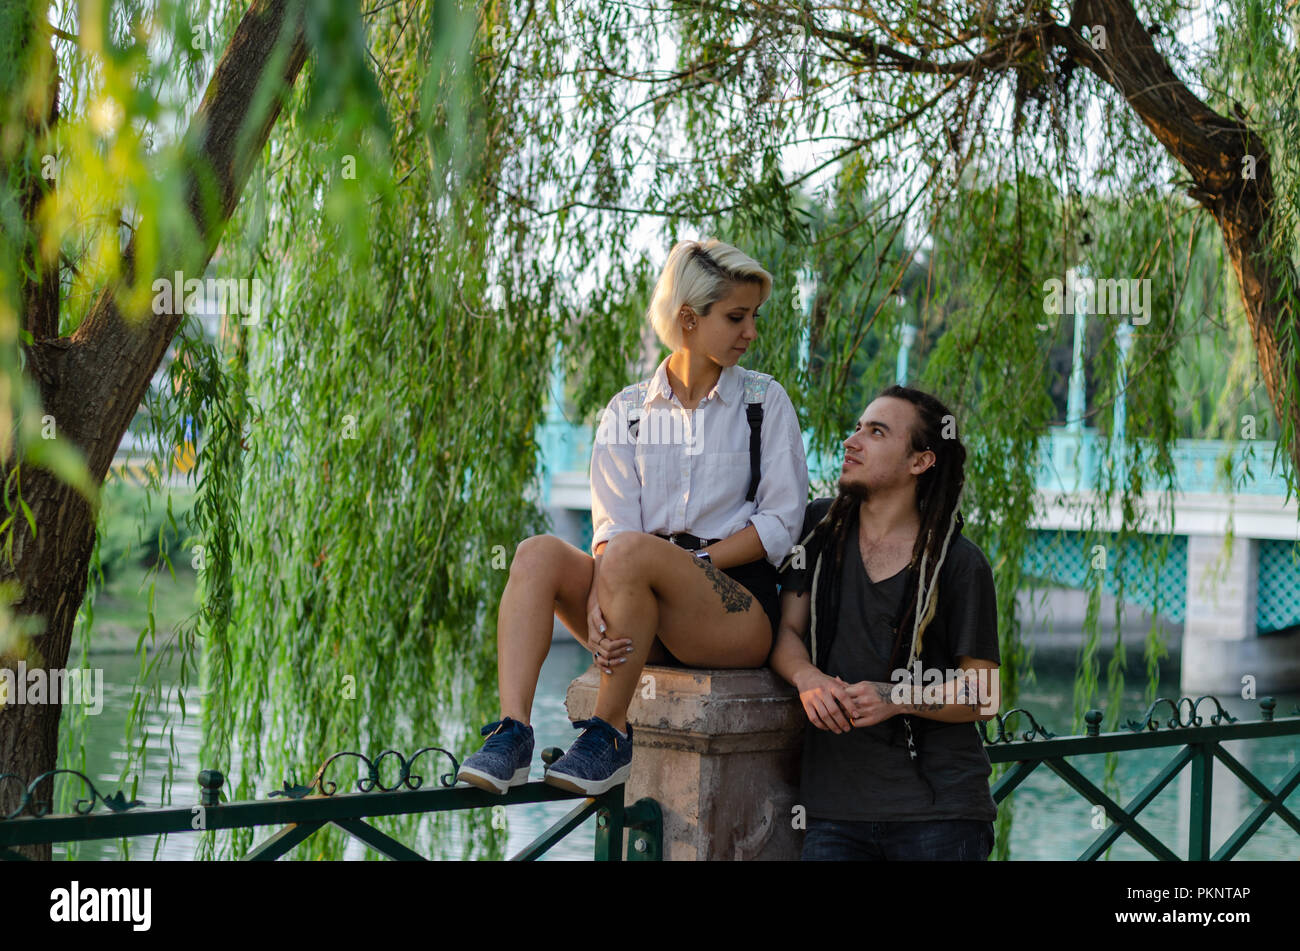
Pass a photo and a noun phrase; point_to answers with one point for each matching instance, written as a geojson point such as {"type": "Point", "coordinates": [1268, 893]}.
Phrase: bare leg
{"type": "Point", "coordinates": [648, 587]}
{"type": "Point", "coordinates": [547, 575]}
{"type": "Point", "coordinates": [631, 610]}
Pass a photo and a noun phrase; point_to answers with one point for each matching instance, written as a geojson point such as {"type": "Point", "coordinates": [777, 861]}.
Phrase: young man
{"type": "Point", "coordinates": [895, 652]}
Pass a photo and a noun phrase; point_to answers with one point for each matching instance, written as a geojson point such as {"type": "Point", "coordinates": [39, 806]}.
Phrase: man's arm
{"type": "Point", "coordinates": [738, 549]}
{"type": "Point", "coordinates": [825, 699]}
{"type": "Point", "coordinates": [971, 695]}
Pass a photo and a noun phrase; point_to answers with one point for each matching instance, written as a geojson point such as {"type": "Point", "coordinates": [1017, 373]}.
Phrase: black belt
{"type": "Point", "coordinates": [688, 541]}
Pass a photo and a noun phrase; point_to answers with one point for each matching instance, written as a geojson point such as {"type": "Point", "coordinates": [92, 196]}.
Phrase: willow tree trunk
{"type": "Point", "coordinates": [1228, 163]}
{"type": "Point", "coordinates": [93, 381]}
{"type": "Point", "coordinates": [1231, 177]}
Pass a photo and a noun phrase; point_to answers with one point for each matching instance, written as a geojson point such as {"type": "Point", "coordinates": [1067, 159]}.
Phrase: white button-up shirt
{"type": "Point", "coordinates": [688, 470]}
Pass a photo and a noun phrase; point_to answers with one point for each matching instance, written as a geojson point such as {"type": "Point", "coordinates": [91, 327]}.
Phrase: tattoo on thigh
{"type": "Point", "coordinates": [734, 596]}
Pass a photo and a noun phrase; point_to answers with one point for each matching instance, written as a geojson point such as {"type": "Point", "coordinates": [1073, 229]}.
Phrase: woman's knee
{"type": "Point", "coordinates": [536, 556]}
{"type": "Point", "coordinates": [625, 559]}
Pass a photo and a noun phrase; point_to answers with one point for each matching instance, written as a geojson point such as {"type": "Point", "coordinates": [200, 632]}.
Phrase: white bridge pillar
{"type": "Point", "coordinates": [1221, 647]}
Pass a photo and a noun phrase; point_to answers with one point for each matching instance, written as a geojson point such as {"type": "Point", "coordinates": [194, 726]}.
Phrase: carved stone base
{"type": "Point", "coordinates": [719, 750]}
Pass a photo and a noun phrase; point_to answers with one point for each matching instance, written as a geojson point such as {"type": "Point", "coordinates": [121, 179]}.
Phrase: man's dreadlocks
{"type": "Point", "coordinates": [938, 492]}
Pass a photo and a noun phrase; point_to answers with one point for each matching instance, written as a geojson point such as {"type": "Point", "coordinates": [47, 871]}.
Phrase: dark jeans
{"type": "Point", "coordinates": [839, 840]}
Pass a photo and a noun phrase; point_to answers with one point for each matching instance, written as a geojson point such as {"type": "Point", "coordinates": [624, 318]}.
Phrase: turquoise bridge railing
{"type": "Point", "coordinates": [1197, 744]}
{"type": "Point", "coordinates": [301, 811]}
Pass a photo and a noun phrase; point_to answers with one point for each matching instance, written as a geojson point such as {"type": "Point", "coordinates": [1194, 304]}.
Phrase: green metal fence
{"type": "Point", "coordinates": [1196, 744]}
{"type": "Point", "coordinates": [300, 811]}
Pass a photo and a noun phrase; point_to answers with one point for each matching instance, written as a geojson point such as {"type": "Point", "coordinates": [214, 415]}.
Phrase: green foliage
{"type": "Point", "coordinates": [434, 215]}
{"type": "Point", "coordinates": [372, 441]}
{"type": "Point", "coordinates": [927, 197]}
{"type": "Point", "coordinates": [368, 442]}
{"type": "Point", "coordinates": [1255, 71]}
{"type": "Point", "coordinates": [131, 528]}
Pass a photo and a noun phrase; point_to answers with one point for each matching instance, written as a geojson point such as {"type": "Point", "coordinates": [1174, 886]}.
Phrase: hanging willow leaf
{"type": "Point", "coordinates": [936, 167]}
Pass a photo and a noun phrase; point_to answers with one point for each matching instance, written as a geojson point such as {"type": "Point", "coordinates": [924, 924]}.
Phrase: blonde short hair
{"type": "Point", "coordinates": [698, 274]}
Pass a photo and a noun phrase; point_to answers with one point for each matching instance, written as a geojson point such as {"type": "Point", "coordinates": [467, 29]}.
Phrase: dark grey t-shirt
{"type": "Point", "coordinates": [866, 774]}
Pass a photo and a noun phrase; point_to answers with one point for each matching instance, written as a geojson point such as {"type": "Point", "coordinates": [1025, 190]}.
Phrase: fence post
{"type": "Point", "coordinates": [1198, 838]}
{"type": "Point", "coordinates": [609, 827]}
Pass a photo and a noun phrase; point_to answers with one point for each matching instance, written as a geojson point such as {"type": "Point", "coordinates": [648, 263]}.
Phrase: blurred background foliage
{"type": "Point", "coordinates": [457, 189]}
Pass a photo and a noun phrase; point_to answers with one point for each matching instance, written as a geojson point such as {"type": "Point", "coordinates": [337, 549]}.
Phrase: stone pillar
{"type": "Point", "coordinates": [1219, 628]}
{"type": "Point", "coordinates": [719, 750]}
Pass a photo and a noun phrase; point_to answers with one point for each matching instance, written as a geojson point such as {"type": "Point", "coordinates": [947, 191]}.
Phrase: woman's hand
{"type": "Point", "coordinates": [606, 651]}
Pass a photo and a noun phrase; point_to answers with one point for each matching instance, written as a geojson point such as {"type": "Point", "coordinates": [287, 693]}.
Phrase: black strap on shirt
{"type": "Point", "coordinates": [754, 412]}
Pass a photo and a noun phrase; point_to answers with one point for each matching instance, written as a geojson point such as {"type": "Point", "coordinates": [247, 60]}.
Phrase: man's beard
{"type": "Point", "coordinates": [854, 490]}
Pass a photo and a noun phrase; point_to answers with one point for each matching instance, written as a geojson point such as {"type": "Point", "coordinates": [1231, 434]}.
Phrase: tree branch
{"type": "Point", "coordinates": [106, 371]}
{"type": "Point", "coordinates": [1214, 149]}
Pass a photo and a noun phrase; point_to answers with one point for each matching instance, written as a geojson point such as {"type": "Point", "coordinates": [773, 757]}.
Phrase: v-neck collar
{"type": "Point", "coordinates": [857, 554]}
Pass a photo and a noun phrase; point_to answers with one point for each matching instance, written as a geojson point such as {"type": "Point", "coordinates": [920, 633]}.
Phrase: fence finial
{"type": "Point", "coordinates": [210, 781]}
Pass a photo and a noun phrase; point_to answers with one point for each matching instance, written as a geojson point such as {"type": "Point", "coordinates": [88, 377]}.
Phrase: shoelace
{"type": "Point", "coordinates": [594, 724]}
{"type": "Point", "coordinates": [496, 739]}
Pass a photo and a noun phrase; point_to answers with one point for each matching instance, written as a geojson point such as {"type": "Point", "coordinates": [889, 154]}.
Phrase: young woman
{"type": "Point", "coordinates": [698, 488]}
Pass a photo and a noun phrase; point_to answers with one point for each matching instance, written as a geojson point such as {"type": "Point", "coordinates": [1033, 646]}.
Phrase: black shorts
{"type": "Point", "coordinates": [759, 578]}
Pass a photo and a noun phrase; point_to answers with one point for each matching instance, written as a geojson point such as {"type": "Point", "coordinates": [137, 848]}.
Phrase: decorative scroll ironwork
{"type": "Point", "coordinates": [371, 780]}
{"type": "Point", "coordinates": [1035, 729]}
{"type": "Point", "coordinates": [116, 802]}
{"type": "Point", "coordinates": [1150, 722]}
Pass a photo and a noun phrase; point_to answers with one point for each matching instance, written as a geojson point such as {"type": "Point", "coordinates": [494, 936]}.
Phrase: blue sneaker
{"type": "Point", "coordinates": [504, 759]}
{"type": "Point", "coordinates": [598, 760]}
